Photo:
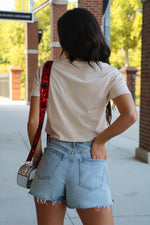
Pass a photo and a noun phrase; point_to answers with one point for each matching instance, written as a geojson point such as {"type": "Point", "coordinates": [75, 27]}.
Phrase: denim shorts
{"type": "Point", "coordinates": [67, 173]}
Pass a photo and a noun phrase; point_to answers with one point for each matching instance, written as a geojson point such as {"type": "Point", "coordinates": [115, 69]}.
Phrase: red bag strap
{"type": "Point", "coordinates": [43, 104]}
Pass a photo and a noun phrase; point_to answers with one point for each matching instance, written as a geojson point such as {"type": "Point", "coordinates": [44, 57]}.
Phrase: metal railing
{"type": "Point", "coordinates": [42, 6]}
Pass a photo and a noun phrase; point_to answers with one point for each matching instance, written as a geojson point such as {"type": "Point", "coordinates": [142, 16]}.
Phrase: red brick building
{"type": "Point", "coordinates": [143, 152]}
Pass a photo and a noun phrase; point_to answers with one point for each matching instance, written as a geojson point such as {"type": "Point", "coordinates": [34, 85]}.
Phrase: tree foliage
{"type": "Point", "coordinates": [44, 25]}
{"type": "Point", "coordinates": [12, 38]}
{"type": "Point", "coordinates": [126, 24]}
{"type": "Point", "coordinates": [12, 42]}
{"type": "Point", "coordinates": [71, 5]}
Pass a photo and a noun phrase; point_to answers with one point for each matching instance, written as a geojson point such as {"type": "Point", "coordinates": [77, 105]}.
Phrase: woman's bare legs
{"type": "Point", "coordinates": [50, 214]}
{"type": "Point", "coordinates": [101, 216]}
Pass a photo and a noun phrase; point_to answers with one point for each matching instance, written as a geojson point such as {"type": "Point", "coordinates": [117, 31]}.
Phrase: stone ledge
{"type": "Point", "coordinates": [143, 155]}
{"type": "Point", "coordinates": [15, 68]}
{"type": "Point", "coordinates": [59, 2]}
{"type": "Point", "coordinates": [36, 19]}
{"type": "Point", "coordinates": [31, 51]}
{"type": "Point", "coordinates": [55, 44]}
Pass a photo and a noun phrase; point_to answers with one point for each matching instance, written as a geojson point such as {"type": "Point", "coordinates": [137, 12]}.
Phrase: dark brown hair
{"type": "Point", "coordinates": [81, 37]}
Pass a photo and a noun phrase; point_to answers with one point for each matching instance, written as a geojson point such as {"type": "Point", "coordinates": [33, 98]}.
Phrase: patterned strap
{"type": "Point", "coordinates": [43, 104]}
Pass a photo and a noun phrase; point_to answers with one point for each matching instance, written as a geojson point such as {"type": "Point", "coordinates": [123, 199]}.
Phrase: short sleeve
{"type": "Point", "coordinates": [118, 85]}
{"type": "Point", "coordinates": [36, 82]}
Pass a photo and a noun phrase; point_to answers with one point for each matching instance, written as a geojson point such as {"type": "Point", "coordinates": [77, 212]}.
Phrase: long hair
{"type": "Point", "coordinates": [81, 37]}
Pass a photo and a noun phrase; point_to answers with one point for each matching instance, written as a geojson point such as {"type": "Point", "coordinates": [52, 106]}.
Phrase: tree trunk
{"type": "Point", "coordinates": [126, 58]}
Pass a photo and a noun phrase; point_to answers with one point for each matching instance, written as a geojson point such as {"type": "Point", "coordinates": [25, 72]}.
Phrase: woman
{"type": "Point", "coordinates": [72, 171]}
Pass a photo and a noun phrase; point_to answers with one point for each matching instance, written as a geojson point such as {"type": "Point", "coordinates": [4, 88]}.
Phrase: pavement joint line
{"type": "Point", "coordinates": [70, 218]}
{"type": "Point", "coordinates": [130, 216]}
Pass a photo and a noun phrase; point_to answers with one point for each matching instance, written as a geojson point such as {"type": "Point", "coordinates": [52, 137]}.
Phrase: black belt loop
{"type": "Point", "coordinates": [48, 137]}
{"type": "Point", "coordinates": [73, 144]}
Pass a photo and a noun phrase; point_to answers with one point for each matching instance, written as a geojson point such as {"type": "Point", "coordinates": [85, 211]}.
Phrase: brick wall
{"type": "Point", "coordinates": [57, 10]}
{"type": "Point", "coordinates": [145, 80]}
{"type": "Point", "coordinates": [143, 151]}
{"type": "Point", "coordinates": [31, 68]}
{"type": "Point", "coordinates": [31, 42]}
{"type": "Point", "coordinates": [94, 6]}
{"type": "Point", "coordinates": [31, 32]}
{"type": "Point", "coordinates": [15, 82]}
{"type": "Point", "coordinates": [129, 73]}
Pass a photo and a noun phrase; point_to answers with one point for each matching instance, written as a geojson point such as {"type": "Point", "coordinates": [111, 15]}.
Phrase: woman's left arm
{"type": "Point", "coordinates": [33, 122]}
{"type": "Point", "coordinates": [128, 116]}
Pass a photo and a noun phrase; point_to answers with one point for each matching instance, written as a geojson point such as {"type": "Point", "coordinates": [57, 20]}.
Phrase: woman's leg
{"type": "Point", "coordinates": [101, 216]}
{"type": "Point", "coordinates": [50, 214]}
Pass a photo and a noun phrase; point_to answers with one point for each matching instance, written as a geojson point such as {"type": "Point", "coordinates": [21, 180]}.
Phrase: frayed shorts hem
{"type": "Point", "coordinates": [97, 207]}
{"type": "Point", "coordinates": [91, 207]}
{"type": "Point", "coordinates": [44, 201]}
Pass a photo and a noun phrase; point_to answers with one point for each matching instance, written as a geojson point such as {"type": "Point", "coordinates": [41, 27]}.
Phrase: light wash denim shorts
{"type": "Point", "coordinates": [67, 173]}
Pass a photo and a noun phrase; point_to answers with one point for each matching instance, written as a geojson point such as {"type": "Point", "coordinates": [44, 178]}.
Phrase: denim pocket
{"type": "Point", "coordinates": [92, 172]}
{"type": "Point", "coordinates": [49, 163]}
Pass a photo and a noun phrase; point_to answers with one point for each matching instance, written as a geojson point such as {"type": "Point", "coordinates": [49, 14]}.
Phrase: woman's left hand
{"type": "Point", "coordinates": [37, 158]}
{"type": "Point", "coordinates": [99, 150]}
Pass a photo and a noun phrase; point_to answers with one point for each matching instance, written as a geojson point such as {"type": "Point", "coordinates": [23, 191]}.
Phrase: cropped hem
{"type": "Point", "coordinates": [71, 140]}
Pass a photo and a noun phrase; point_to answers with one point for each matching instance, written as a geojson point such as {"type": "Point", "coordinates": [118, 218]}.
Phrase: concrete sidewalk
{"type": "Point", "coordinates": [130, 178]}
